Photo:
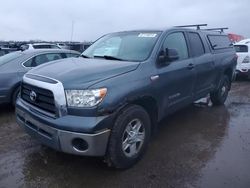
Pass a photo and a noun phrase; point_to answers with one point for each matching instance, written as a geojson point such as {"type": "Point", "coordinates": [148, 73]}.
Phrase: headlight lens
{"type": "Point", "coordinates": [246, 60]}
{"type": "Point", "coordinates": [85, 98]}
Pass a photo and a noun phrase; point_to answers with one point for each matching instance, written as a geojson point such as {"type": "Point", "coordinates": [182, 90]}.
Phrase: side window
{"type": "Point", "coordinates": [54, 47]}
{"type": "Point", "coordinates": [29, 63]}
{"type": "Point", "coordinates": [177, 41]}
{"type": "Point", "coordinates": [72, 55]}
{"type": "Point", "coordinates": [219, 41]}
{"type": "Point", "coordinates": [197, 46]}
{"type": "Point", "coordinates": [53, 57]}
{"type": "Point", "coordinates": [38, 47]}
{"type": "Point", "coordinates": [41, 59]}
{"type": "Point", "coordinates": [45, 46]}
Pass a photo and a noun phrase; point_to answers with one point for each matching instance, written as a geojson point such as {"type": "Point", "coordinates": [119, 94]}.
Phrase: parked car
{"type": "Point", "coordinates": [243, 63]}
{"type": "Point", "coordinates": [39, 46]}
{"type": "Point", "coordinates": [109, 104]}
{"type": "Point", "coordinates": [80, 47]}
{"type": "Point", "coordinates": [4, 51]}
{"type": "Point", "coordinates": [63, 46]}
{"type": "Point", "coordinates": [14, 65]}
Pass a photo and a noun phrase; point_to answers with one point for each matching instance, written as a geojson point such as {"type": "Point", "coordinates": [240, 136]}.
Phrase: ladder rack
{"type": "Point", "coordinates": [198, 26]}
{"type": "Point", "coordinates": [220, 29]}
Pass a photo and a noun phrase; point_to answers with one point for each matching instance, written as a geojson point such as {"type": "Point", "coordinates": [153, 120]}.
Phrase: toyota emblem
{"type": "Point", "coordinates": [33, 96]}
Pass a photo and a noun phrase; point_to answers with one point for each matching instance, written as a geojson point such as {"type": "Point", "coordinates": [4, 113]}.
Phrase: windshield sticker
{"type": "Point", "coordinates": [149, 35]}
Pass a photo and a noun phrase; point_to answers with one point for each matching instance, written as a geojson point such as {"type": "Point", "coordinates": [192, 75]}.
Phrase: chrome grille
{"type": "Point", "coordinates": [39, 97]}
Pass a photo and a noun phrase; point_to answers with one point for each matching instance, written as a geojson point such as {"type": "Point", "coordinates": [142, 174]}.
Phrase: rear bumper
{"type": "Point", "coordinates": [73, 142]}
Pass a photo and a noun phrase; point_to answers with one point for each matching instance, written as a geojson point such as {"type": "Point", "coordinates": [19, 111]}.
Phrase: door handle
{"type": "Point", "coordinates": [154, 78]}
{"type": "Point", "coordinates": [190, 66]}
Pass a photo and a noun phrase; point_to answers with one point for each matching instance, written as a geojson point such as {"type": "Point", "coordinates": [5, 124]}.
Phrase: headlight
{"type": "Point", "coordinates": [85, 98]}
{"type": "Point", "coordinates": [246, 60]}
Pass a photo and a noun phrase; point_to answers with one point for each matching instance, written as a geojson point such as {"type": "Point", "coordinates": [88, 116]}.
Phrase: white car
{"type": "Point", "coordinates": [39, 46]}
{"type": "Point", "coordinates": [63, 46]}
{"type": "Point", "coordinates": [243, 63]}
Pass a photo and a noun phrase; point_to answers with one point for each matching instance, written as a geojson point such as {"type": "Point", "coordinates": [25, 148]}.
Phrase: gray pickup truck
{"type": "Point", "coordinates": [108, 101]}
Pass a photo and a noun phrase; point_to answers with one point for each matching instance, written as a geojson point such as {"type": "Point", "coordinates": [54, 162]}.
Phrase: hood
{"type": "Point", "coordinates": [76, 73]}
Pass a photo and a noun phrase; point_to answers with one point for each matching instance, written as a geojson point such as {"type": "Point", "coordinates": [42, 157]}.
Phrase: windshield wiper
{"type": "Point", "coordinates": [109, 57]}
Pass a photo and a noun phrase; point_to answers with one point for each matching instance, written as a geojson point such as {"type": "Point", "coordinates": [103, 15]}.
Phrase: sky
{"type": "Point", "coordinates": [53, 19]}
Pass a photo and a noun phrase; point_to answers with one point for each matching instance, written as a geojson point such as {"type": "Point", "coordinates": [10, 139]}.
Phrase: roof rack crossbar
{"type": "Point", "coordinates": [221, 29]}
{"type": "Point", "coordinates": [198, 26]}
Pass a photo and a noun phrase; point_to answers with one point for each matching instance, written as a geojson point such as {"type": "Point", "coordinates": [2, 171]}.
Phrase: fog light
{"type": "Point", "coordinates": [79, 144]}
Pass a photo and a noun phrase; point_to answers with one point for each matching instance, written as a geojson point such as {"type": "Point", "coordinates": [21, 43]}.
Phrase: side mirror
{"type": "Point", "coordinates": [168, 55]}
{"type": "Point", "coordinates": [172, 54]}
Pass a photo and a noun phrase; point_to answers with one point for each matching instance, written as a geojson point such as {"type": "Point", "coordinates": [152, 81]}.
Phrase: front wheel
{"type": "Point", "coordinates": [219, 96]}
{"type": "Point", "coordinates": [129, 137]}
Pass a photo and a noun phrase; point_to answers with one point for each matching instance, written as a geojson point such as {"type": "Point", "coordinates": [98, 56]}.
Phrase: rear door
{"type": "Point", "coordinates": [204, 65]}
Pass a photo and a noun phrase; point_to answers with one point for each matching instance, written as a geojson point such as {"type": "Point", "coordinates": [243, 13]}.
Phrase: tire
{"type": "Point", "coordinates": [219, 96]}
{"type": "Point", "coordinates": [14, 96]}
{"type": "Point", "coordinates": [124, 150]}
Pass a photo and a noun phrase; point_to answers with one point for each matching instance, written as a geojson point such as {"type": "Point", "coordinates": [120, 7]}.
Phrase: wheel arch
{"type": "Point", "coordinates": [13, 90]}
{"type": "Point", "coordinates": [229, 73]}
{"type": "Point", "coordinates": [150, 105]}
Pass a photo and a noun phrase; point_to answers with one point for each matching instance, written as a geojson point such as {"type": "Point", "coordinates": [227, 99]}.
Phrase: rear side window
{"type": "Point", "coordinates": [177, 41]}
{"type": "Point", "coordinates": [72, 55]}
{"type": "Point", "coordinates": [54, 47]}
{"type": "Point", "coordinates": [29, 63]}
{"type": "Point", "coordinates": [40, 46]}
{"type": "Point", "coordinates": [53, 57]}
{"type": "Point", "coordinates": [45, 46]}
{"type": "Point", "coordinates": [197, 46]}
{"type": "Point", "coordinates": [219, 41]}
{"type": "Point", "coordinates": [241, 48]}
{"type": "Point", "coordinates": [41, 59]}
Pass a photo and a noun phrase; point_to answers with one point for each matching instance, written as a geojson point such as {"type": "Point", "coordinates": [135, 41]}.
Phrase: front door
{"type": "Point", "coordinates": [176, 78]}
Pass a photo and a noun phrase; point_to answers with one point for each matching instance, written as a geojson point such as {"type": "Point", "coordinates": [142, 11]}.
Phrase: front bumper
{"type": "Point", "coordinates": [243, 72]}
{"type": "Point", "coordinates": [243, 69]}
{"type": "Point", "coordinates": [3, 99]}
{"type": "Point", "coordinates": [3, 96]}
{"type": "Point", "coordinates": [47, 132]}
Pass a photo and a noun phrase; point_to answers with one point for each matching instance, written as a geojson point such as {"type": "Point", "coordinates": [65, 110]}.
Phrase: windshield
{"type": "Point", "coordinates": [9, 57]}
{"type": "Point", "coordinates": [127, 46]}
{"type": "Point", "coordinates": [241, 48]}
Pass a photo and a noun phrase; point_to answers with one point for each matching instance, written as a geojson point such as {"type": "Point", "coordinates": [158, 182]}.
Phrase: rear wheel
{"type": "Point", "coordinates": [129, 137]}
{"type": "Point", "coordinates": [219, 96]}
